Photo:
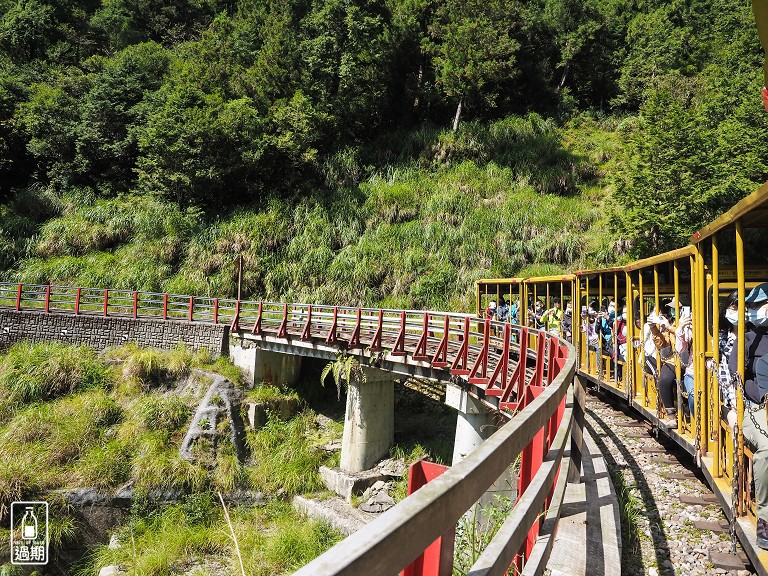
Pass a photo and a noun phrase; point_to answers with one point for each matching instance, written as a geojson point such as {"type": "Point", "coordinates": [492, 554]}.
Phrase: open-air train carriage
{"type": "Point", "coordinates": [728, 255]}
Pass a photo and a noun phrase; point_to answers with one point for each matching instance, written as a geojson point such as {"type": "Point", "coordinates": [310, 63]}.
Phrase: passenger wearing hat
{"type": "Point", "coordinates": [756, 388]}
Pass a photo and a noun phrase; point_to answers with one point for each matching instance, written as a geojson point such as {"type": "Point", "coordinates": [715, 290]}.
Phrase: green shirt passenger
{"type": "Point", "coordinates": [553, 318]}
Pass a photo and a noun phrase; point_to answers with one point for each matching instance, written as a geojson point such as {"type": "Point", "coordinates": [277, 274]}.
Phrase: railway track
{"type": "Point", "coordinates": [672, 522]}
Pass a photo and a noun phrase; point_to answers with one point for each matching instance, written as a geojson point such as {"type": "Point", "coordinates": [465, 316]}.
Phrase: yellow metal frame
{"type": "Point", "coordinates": [702, 257]}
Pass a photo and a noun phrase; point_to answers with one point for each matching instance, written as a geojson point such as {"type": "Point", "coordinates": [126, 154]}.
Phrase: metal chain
{"type": "Point", "coordinates": [599, 357]}
{"type": "Point", "coordinates": [747, 409]}
{"type": "Point", "coordinates": [696, 417]}
{"type": "Point", "coordinates": [734, 488]}
{"type": "Point", "coordinates": [713, 379]}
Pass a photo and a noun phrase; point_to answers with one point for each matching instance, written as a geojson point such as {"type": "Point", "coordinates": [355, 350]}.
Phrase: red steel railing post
{"type": "Point", "coordinates": [531, 459]}
{"type": "Point", "coordinates": [376, 340]}
{"type": "Point", "coordinates": [18, 298]}
{"type": "Point", "coordinates": [48, 298]}
{"type": "Point", "coordinates": [538, 375]}
{"type": "Point", "coordinates": [440, 359]}
{"type": "Point", "coordinates": [282, 331]}
{"type": "Point", "coordinates": [257, 325]}
{"type": "Point", "coordinates": [459, 365]}
{"type": "Point", "coordinates": [421, 347]}
{"type": "Point", "coordinates": [235, 326]}
{"type": "Point", "coordinates": [354, 340]}
{"type": "Point", "coordinates": [191, 308]}
{"type": "Point", "coordinates": [215, 310]}
{"type": "Point", "coordinates": [482, 358]}
{"type": "Point", "coordinates": [135, 304]}
{"type": "Point", "coordinates": [106, 302]}
{"type": "Point", "coordinates": [399, 348]}
{"type": "Point", "coordinates": [165, 306]}
{"type": "Point", "coordinates": [332, 337]}
{"type": "Point", "coordinates": [306, 334]}
{"type": "Point", "coordinates": [502, 368]}
{"type": "Point", "coordinates": [77, 301]}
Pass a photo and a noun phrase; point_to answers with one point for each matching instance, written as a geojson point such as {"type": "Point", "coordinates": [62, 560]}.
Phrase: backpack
{"type": "Point", "coordinates": [761, 376]}
{"type": "Point", "coordinates": [621, 338]}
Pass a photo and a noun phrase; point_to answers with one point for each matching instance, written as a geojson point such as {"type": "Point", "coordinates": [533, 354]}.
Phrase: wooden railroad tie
{"type": "Point", "coordinates": [631, 424]}
{"type": "Point", "coordinates": [687, 475]}
{"type": "Point", "coordinates": [666, 460]}
{"type": "Point", "coordinates": [703, 500]}
{"type": "Point", "coordinates": [727, 561]}
{"type": "Point", "coordinates": [654, 449]}
{"type": "Point", "coordinates": [719, 526]}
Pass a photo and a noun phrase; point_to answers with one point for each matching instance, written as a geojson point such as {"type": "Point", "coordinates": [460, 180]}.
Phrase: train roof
{"type": "Point", "coordinates": [499, 281]}
{"type": "Point", "coordinates": [752, 210]}
{"type": "Point", "coordinates": [599, 271]}
{"type": "Point", "coordinates": [555, 278]}
{"type": "Point", "coordinates": [662, 258]}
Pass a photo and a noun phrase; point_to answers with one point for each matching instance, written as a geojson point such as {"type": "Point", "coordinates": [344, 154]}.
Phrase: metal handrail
{"type": "Point", "coordinates": [390, 542]}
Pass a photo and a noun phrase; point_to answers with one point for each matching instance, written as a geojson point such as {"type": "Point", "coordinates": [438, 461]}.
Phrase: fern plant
{"type": "Point", "coordinates": [343, 369]}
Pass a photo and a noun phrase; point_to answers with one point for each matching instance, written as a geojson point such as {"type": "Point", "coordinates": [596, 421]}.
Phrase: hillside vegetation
{"type": "Point", "coordinates": [366, 151]}
{"type": "Point", "coordinates": [71, 419]}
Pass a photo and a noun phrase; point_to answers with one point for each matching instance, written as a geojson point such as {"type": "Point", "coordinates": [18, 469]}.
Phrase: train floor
{"type": "Point", "coordinates": [662, 535]}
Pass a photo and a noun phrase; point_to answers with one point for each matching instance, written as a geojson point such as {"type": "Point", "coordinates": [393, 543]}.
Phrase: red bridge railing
{"type": "Point", "coordinates": [523, 372]}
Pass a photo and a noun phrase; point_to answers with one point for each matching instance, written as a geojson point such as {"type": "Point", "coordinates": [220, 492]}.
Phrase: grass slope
{"type": "Point", "coordinates": [410, 221]}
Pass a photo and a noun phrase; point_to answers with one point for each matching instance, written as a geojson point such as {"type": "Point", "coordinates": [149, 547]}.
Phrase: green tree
{"type": "Point", "coordinates": [693, 153]}
{"type": "Point", "coordinates": [472, 48]}
{"type": "Point", "coordinates": [345, 54]}
{"type": "Point", "coordinates": [197, 148]}
{"type": "Point", "coordinates": [111, 112]}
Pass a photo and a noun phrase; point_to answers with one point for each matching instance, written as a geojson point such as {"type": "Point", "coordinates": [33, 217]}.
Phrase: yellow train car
{"type": "Point", "coordinates": [655, 333]}
{"type": "Point", "coordinates": [600, 295]}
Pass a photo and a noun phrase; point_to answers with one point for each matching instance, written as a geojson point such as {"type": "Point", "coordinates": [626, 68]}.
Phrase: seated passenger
{"type": "Point", "coordinates": [514, 312]}
{"type": "Point", "coordinates": [683, 347]}
{"type": "Point", "coordinates": [503, 311]}
{"type": "Point", "coordinates": [605, 329]}
{"type": "Point", "coordinates": [588, 327]}
{"type": "Point", "coordinates": [620, 328]}
{"type": "Point", "coordinates": [729, 320]}
{"type": "Point", "coordinates": [658, 341]}
{"type": "Point", "coordinates": [755, 390]}
{"type": "Point", "coordinates": [567, 324]}
{"type": "Point", "coordinates": [553, 318]}
{"type": "Point", "coordinates": [490, 312]}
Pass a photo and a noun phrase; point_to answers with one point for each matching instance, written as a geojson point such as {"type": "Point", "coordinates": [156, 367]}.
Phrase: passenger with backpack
{"type": "Point", "coordinates": [755, 426]}
{"type": "Point", "coordinates": [620, 329]}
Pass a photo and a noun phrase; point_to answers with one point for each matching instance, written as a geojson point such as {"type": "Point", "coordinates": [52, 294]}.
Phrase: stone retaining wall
{"type": "Point", "coordinates": [99, 332]}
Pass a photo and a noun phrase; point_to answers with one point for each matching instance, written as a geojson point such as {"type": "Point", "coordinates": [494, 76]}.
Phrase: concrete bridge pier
{"type": "Point", "coordinates": [264, 366]}
{"type": "Point", "coordinates": [369, 423]}
{"type": "Point", "coordinates": [474, 424]}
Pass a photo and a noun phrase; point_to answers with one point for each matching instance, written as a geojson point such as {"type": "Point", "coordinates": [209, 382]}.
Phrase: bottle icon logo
{"type": "Point", "coordinates": [29, 525]}
{"type": "Point", "coordinates": [29, 533]}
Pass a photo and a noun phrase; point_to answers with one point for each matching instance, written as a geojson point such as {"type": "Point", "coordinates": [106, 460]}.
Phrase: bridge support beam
{"type": "Point", "coordinates": [475, 423]}
{"type": "Point", "coordinates": [265, 366]}
{"type": "Point", "coordinates": [369, 423]}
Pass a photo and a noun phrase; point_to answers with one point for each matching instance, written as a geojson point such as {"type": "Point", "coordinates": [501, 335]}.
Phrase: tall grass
{"type": "Point", "coordinates": [66, 425]}
{"type": "Point", "coordinates": [273, 540]}
{"type": "Point", "coordinates": [36, 372]}
{"type": "Point", "coordinates": [283, 457]}
{"type": "Point", "coordinates": [411, 220]}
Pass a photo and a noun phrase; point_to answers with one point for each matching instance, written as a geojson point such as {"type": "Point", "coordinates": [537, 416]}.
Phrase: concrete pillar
{"type": "Point", "coordinates": [474, 424]}
{"type": "Point", "coordinates": [369, 423]}
{"type": "Point", "coordinates": [265, 366]}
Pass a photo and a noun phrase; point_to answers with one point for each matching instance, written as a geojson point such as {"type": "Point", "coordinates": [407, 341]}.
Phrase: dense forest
{"type": "Point", "coordinates": [372, 151]}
